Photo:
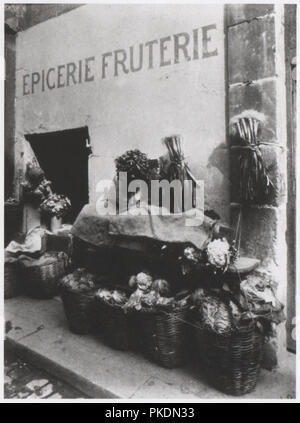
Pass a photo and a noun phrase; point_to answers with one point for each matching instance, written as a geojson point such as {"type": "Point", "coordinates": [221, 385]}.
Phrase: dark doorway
{"type": "Point", "coordinates": [63, 156]}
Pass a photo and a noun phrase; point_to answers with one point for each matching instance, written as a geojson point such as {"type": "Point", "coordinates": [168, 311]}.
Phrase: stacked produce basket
{"type": "Point", "coordinates": [11, 278]}
{"type": "Point", "coordinates": [162, 335]}
{"type": "Point", "coordinates": [220, 310]}
{"type": "Point", "coordinates": [114, 326]}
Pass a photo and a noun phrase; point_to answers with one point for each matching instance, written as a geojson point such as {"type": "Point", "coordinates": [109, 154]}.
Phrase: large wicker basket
{"type": "Point", "coordinates": [232, 361]}
{"type": "Point", "coordinates": [113, 325]}
{"type": "Point", "coordinates": [162, 335]}
{"type": "Point", "coordinates": [80, 311]}
{"type": "Point", "coordinates": [11, 280]}
{"type": "Point", "coordinates": [41, 281]}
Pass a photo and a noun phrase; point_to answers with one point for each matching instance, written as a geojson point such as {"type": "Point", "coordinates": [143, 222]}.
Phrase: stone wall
{"type": "Point", "coordinates": [291, 83]}
{"type": "Point", "coordinates": [256, 80]}
{"type": "Point", "coordinates": [9, 109]}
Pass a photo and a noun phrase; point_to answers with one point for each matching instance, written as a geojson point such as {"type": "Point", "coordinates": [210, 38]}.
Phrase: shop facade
{"type": "Point", "coordinates": [110, 79]}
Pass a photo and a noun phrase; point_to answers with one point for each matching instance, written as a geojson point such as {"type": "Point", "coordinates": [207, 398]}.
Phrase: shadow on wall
{"type": "Point", "coordinates": [216, 159]}
{"type": "Point", "coordinates": [216, 177]}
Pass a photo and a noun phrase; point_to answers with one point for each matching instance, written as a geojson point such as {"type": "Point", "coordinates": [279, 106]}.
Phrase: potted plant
{"type": "Point", "coordinates": [55, 206]}
{"type": "Point", "coordinates": [36, 187]}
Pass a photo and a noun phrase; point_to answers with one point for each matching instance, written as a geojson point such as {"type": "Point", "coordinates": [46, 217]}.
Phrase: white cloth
{"type": "Point", "coordinates": [32, 244]}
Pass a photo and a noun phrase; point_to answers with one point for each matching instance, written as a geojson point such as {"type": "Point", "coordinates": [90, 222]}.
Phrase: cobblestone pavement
{"type": "Point", "coordinates": [24, 381]}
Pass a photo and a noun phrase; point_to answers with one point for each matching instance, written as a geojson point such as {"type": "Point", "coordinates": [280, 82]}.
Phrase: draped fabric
{"type": "Point", "coordinates": [105, 230]}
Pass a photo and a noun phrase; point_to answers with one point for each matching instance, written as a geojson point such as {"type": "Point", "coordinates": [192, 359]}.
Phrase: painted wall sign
{"type": "Point", "coordinates": [132, 74]}
{"type": "Point", "coordinates": [166, 51]}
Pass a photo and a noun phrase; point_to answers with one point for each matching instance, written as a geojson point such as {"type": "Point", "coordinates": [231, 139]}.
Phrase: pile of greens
{"type": "Point", "coordinates": [137, 165]}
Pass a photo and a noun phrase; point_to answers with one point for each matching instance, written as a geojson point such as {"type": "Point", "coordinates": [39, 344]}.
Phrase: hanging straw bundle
{"type": "Point", "coordinates": [177, 168]}
{"type": "Point", "coordinates": [255, 184]}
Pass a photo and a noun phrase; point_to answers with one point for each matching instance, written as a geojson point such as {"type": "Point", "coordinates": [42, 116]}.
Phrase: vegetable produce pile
{"type": "Point", "coordinates": [153, 293]}
{"type": "Point", "coordinates": [137, 165]}
{"type": "Point", "coordinates": [218, 255]}
{"type": "Point", "coordinates": [113, 297]}
{"type": "Point", "coordinates": [223, 310]}
{"type": "Point", "coordinates": [215, 314]}
{"type": "Point", "coordinates": [79, 281]}
{"type": "Point", "coordinates": [261, 298]}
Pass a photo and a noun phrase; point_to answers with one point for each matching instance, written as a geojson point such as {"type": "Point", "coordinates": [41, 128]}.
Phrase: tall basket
{"type": "Point", "coordinates": [113, 325]}
{"type": "Point", "coordinates": [11, 280]}
{"type": "Point", "coordinates": [162, 335]}
{"type": "Point", "coordinates": [231, 361]}
{"type": "Point", "coordinates": [79, 310]}
{"type": "Point", "coordinates": [41, 280]}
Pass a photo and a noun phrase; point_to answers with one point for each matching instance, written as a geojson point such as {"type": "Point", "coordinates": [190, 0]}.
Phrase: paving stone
{"type": "Point", "coordinates": [23, 395]}
{"type": "Point", "coordinates": [9, 391]}
{"type": "Point", "coordinates": [14, 390]}
{"type": "Point", "coordinates": [21, 374]}
{"type": "Point", "coordinates": [251, 50]}
{"type": "Point", "coordinates": [33, 396]}
{"type": "Point", "coordinates": [36, 384]}
{"type": "Point", "coordinates": [45, 391]}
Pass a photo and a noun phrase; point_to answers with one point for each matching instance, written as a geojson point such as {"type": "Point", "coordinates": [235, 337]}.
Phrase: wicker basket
{"type": "Point", "coordinates": [231, 362]}
{"type": "Point", "coordinates": [162, 335]}
{"type": "Point", "coordinates": [40, 281]}
{"type": "Point", "coordinates": [80, 311]}
{"type": "Point", "coordinates": [113, 325]}
{"type": "Point", "coordinates": [11, 280]}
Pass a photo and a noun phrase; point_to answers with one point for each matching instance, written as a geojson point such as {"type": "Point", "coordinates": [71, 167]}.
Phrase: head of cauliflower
{"type": "Point", "coordinates": [218, 253]}
{"type": "Point", "coordinates": [144, 281]}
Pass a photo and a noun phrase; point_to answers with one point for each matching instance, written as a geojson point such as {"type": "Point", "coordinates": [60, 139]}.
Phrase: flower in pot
{"type": "Point", "coordinates": [55, 206]}
{"type": "Point", "coordinates": [36, 187]}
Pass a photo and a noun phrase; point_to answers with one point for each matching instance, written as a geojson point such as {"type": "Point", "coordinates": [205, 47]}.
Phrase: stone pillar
{"type": "Point", "coordinates": [256, 80]}
{"type": "Point", "coordinates": [9, 127]}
